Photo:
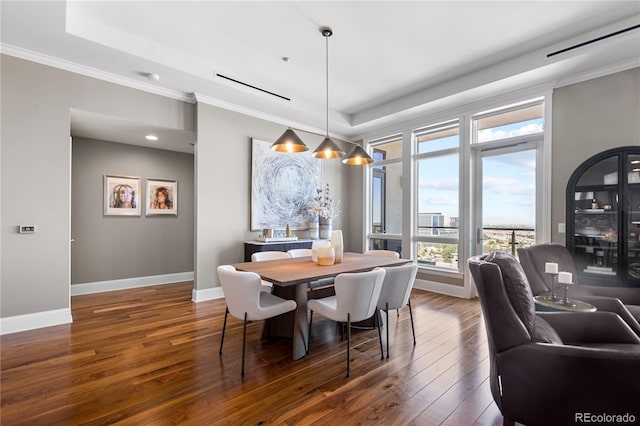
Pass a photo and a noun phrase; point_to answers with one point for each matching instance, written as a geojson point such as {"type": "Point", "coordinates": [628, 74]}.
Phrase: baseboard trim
{"type": "Point", "coordinates": [448, 289]}
{"type": "Point", "coordinates": [102, 286]}
{"type": "Point", "coordinates": [207, 294]}
{"type": "Point", "coordinates": [27, 322]}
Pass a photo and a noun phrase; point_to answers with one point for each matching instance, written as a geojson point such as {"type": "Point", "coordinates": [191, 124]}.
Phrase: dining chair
{"type": "Point", "coordinates": [299, 252]}
{"type": "Point", "coordinates": [246, 301]}
{"type": "Point", "coordinates": [396, 293]}
{"type": "Point", "coordinates": [383, 253]}
{"type": "Point", "coordinates": [260, 256]}
{"type": "Point", "coordinates": [313, 285]}
{"type": "Point", "coordinates": [356, 299]}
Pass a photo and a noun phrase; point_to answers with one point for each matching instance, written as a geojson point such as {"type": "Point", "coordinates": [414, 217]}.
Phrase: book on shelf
{"type": "Point", "coordinates": [603, 270]}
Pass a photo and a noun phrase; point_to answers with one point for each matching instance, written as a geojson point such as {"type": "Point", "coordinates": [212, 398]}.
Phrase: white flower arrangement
{"type": "Point", "coordinates": [322, 205]}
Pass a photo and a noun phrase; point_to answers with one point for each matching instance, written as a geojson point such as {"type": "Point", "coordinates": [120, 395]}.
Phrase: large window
{"type": "Point", "coordinates": [506, 147]}
{"type": "Point", "coordinates": [473, 182]}
{"type": "Point", "coordinates": [438, 188]}
{"type": "Point", "coordinates": [386, 195]}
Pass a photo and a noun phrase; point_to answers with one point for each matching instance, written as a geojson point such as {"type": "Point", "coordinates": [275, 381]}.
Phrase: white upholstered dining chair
{"type": "Point", "coordinates": [260, 256]}
{"type": "Point", "coordinates": [247, 302]}
{"type": "Point", "coordinates": [383, 253]}
{"type": "Point", "coordinates": [299, 252]}
{"type": "Point", "coordinates": [396, 293]}
{"type": "Point", "coordinates": [355, 300]}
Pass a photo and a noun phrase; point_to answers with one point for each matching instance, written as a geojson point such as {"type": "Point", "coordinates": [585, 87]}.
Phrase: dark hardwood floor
{"type": "Point", "coordinates": [150, 356]}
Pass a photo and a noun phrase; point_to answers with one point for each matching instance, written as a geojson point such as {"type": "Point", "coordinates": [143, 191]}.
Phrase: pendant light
{"type": "Point", "coordinates": [328, 148]}
{"type": "Point", "coordinates": [289, 142]}
{"type": "Point", "coordinates": [358, 157]}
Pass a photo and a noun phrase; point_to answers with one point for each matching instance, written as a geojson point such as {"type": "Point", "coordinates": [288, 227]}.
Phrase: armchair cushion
{"type": "Point", "coordinates": [516, 287]}
{"type": "Point", "coordinates": [544, 333]}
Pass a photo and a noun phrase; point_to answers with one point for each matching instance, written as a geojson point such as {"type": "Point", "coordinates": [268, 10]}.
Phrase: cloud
{"type": "Point", "coordinates": [438, 200]}
{"type": "Point", "coordinates": [502, 186]}
{"type": "Point", "coordinates": [494, 134]}
{"type": "Point", "coordinates": [439, 184]}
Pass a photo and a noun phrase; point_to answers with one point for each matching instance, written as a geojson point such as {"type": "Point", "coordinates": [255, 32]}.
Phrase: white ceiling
{"type": "Point", "coordinates": [389, 61]}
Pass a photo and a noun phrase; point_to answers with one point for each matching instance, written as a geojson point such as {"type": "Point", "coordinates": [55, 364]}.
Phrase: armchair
{"type": "Point", "coordinates": [550, 368]}
{"type": "Point", "coordinates": [623, 301]}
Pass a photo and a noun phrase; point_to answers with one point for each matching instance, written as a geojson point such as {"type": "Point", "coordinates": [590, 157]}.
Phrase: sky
{"type": "Point", "coordinates": [508, 179]}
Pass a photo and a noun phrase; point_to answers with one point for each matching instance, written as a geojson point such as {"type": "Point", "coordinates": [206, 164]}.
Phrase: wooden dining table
{"type": "Point", "coordinates": [290, 278]}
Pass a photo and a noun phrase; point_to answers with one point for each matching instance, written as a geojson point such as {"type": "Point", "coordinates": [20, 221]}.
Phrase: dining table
{"type": "Point", "coordinates": [290, 278]}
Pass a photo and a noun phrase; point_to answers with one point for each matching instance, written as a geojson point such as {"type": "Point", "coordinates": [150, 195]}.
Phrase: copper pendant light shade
{"type": "Point", "coordinates": [358, 157]}
{"type": "Point", "coordinates": [289, 142]}
{"type": "Point", "coordinates": [328, 149]}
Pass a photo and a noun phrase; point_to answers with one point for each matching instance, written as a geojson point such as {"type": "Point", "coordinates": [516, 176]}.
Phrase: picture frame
{"type": "Point", "coordinates": [161, 197]}
{"type": "Point", "coordinates": [122, 196]}
{"type": "Point", "coordinates": [282, 187]}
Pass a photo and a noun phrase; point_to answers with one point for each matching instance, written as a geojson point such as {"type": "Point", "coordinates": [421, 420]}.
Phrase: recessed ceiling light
{"type": "Point", "coordinates": [286, 59]}
{"type": "Point", "coordinates": [151, 137]}
{"type": "Point", "coordinates": [153, 77]}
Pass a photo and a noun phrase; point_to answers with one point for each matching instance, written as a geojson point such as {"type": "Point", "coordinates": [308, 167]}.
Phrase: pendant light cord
{"type": "Point", "coordinates": [326, 37]}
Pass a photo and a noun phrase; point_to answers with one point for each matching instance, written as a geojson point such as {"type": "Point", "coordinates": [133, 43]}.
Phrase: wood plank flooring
{"type": "Point", "coordinates": [150, 357]}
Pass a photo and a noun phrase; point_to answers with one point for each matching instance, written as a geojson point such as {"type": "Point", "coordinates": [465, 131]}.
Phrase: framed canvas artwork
{"type": "Point", "coordinates": [282, 187]}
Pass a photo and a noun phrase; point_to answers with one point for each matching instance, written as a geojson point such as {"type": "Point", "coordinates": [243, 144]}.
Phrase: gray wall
{"type": "Point", "coordinates": [588, 118]}
{"type": "Point", "coordinates": [116, 247]}
{"type": "Point", "coordinates": [223, 188]}
{"type": "Point", "coordinates": [36, 171]}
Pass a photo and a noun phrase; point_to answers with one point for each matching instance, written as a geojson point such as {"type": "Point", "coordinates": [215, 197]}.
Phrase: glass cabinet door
{"type": "Point", "coordinates": [596, 219]}
{"type": "Point", "coordinates": [632, 228]}
{"type": "Point", "coordinates": [603, 218]}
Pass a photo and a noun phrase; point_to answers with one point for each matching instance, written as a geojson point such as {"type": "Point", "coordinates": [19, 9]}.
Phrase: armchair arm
{"type": "Point", "coordinates": [612, 304]}
{"type": "Point", "coordinates": [546, 384]}
{"type": "Point", "coordinates": [590, 327]}
{"type": "Point", "coordinates": [628, 295]}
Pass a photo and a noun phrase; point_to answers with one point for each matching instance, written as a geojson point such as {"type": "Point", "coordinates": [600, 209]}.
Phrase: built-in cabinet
{"type": "Point", "coordinates": [603, 218]}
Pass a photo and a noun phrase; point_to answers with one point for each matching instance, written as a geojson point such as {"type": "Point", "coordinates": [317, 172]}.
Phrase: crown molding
{"type": "Point", "coordinates": [52, 61]}
{"type": "Point", "coordinates": [598, 72]}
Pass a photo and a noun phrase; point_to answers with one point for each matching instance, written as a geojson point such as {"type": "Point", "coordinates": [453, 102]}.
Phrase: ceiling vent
{"type": "Point", "coordinates": [253, 87]}
{"type": "Point", "coordinates": [594, 40]}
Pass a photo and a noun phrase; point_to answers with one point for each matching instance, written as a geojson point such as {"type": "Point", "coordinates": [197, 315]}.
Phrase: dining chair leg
{"type": "Point", "coordinates": [309, 333]}
{"type": "Point", "coordinates": [244, 341]}
{"type": "Point", "coordinates": [413, 330]}
{"type": "Point", "coordinates": [386, 311]}
{"type": "Point", "coordinates": [224, 327]}
{"type": "Point", "coordinates": [377, 320]}
{"type": "Point", "coordinates": [348, 344]}
{"type": "Point", "coordinates": [398, 313]}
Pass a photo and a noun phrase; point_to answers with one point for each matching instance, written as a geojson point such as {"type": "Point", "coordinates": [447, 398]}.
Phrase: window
{"type": "Point", "coordinates": [438, 187]}
{"type": "Point", "coordinates": [509, 122]}
{"type": "Point", "coordinates": [386, 195]}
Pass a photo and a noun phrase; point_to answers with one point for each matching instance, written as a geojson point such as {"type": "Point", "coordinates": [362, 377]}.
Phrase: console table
{"type": "Point", "coordinates": [251, 247]}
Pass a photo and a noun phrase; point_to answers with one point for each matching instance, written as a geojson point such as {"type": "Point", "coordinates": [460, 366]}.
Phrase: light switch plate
{"type": "Point", "coordinates": [561, 228]}
{"type": "Point", "coordinates": [27, 229]}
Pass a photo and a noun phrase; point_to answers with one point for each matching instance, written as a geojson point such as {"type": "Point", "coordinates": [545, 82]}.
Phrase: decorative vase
{"type": "Point", "coordinates": [317, 245]}
{"type": "Point", "coordinates": [326, 226]}
{"type": "Point", "coordinates": [336, 244]}
{"type": "Point", "coordinates": [326, 256]}
{"type": "Point", "coordinates": [313, 227]}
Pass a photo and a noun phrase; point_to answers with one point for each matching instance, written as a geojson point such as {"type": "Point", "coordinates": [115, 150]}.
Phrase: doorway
{"type": "Point", "coordinates": [506, 197]}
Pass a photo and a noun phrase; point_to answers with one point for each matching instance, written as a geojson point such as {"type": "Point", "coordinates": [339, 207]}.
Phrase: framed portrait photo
{"type": "Point", "coordinates": [122, 195]}
{"type": "Point", "coordinates": [162, 197]}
